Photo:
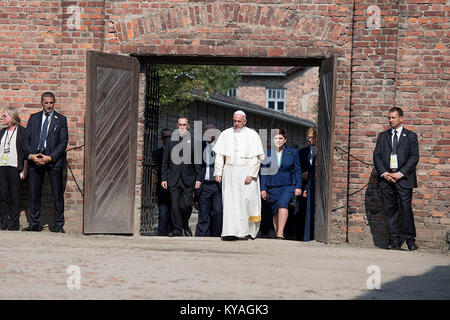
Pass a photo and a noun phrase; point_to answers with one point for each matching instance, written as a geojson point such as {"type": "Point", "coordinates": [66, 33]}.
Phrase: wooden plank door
{"type": "Point", "coordinates": [110, 143]}
{"type": "Point", "coordinates": [325, 146]}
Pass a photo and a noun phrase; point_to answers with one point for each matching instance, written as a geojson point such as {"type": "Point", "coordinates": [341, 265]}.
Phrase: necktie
{"type": "Point", "coordinates": [209, 163]}
{"type": "Point", "coordinates": [43, 136]}
{"type": "Point", "coordinates": [394, 143]}
{"type": "Point", "coordinates": [211, 166]}
{"type": "Point", "coordinates": [208, 155]}
{"type": "Point", "coordinates": [313, 153]}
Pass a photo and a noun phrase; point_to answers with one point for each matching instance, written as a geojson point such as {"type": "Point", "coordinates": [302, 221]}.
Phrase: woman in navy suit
{"type": "Point", "coordinates": [281, 179]}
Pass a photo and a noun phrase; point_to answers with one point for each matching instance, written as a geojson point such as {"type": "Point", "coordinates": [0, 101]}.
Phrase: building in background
{"type": "Point", "coordinates": [291, 90]}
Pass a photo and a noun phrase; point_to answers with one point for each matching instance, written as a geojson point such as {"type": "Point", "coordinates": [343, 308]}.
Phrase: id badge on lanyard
{"type": "Point", "coordinates": [4, 160]}
{"type": "Point", "coordinates": [394, 163]}
{"type": "Point", "coordinates": [7, 149]}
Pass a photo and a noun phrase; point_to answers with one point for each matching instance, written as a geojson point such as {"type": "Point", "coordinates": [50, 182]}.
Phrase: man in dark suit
{"type": "Point", "coordinates": [163, 195]}
{"type": "Point", "coordinates": [210, 211]}
{"type": "Point", "coordinates": [45, 145]}
{"type": "Point", "coordinates": [181, 176]}
{"type": "Point", "coordinates": [395, 157]}
{"type": "Point", "coordinates": [305, 203]}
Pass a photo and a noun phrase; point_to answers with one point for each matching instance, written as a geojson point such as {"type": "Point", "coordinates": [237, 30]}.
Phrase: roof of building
{"type": "Point", "coordinates": [267, 71]}
{"type": "Point", "coordinates": [233, 103]}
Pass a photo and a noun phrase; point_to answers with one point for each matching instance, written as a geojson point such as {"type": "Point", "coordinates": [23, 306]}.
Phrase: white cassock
{"type": "Point", "coordinates": [238, 155]}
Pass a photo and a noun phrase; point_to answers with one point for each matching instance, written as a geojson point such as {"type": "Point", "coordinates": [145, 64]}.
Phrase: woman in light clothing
{"type": "Point", "coordinates": [13, 168]}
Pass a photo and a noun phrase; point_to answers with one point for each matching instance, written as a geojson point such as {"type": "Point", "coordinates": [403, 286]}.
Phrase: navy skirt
{"type": "Point", "coordinates": [279, 197]}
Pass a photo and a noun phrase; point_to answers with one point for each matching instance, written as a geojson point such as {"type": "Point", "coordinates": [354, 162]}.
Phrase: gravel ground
{"type": "Point", "coordinates": [34, 265]}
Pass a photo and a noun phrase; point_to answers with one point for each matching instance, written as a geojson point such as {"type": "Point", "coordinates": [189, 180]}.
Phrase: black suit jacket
{"type": "Point", "coordinates": [407, 157]}
{"type": "Point", "coordinates": [304, 154]}
{"type": "Point", "coordinates": [171, 172]}
{"type": "Point", "coordinates": [57, 137]}
{"type": "Point", "coordinates": [161, 193]}
{"type": "Point", "coordinates": [21, 131]}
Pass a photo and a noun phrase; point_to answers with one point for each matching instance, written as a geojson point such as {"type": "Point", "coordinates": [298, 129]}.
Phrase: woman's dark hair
{"type": "Point", "coordinates": [282, 131]}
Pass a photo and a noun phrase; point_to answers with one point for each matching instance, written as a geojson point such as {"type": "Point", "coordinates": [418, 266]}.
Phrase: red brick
{"type": "Point", "coordinates": [402, 64]}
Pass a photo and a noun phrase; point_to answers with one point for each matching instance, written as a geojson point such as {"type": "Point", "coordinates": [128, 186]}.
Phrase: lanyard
{"type": "Point", "coordinates": [6, 138]}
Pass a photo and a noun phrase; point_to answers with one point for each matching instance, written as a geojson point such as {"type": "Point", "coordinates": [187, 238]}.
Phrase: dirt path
{"type": "Point", "coordinates": [34, 266]}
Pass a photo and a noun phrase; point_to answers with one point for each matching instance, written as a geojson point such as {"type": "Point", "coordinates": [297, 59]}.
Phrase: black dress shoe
{"type": "Point", "coordinates": [59, 230]}
{"type": "Point", "coordinates": [412, 245]}
{"type": "Point", "coordinates": [187, 232]}
{"type": "Point", "coordinates": [15, 228]}
{"type": "Point", "coordinates": [4, 228]}
{"type": "Point", "coordinates": [229, 238]}
{"type": "Point", "coordinates": [175, 234]}
{"type": "Point", "coordinates": [32, 228]}
{"type": "Point", "coordinates": [394, 245]}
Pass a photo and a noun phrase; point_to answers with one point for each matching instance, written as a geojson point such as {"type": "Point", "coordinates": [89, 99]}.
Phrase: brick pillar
{"type": "Point", "coordinates": [375, 50]}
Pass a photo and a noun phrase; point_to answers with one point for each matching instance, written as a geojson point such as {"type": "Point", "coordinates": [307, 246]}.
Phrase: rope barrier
{"type": "Point", "coordinates": [337, 148]}
{"type": "Point", "coordinates": [360, 189]}
{"type": "Point", "coordinates": [73, 176]}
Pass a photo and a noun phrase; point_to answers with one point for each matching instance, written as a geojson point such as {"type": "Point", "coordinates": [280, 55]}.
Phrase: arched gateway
{"type": "Point", "coordinates": [110, 184]}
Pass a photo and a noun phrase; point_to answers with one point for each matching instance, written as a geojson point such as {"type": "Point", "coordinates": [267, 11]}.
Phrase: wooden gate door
{"type": "Point", "coordinates": [325, 146]}
{"type": "Point", "coordinates": [110, 143]}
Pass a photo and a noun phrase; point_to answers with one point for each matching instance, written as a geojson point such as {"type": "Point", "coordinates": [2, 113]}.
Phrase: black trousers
{"type": "Point", "coordinates": [182, 200]}
{"type": "Point", "coordinates": [164, 221]}
{"type": "Point", "coordinates": [9, 190]}
{"type": "Point", "coordinates": [398, 211]}
{"type": "Point", "coordinates": [210, 211]}
{"type": "Point", "coordinates": [37, 174]}
{"type": "Point", "coordinates": [300, 217]}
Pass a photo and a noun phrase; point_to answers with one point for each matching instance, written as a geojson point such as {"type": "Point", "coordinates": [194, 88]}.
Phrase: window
{"type": "Point", "coordinates": [276, 99]}
{"type": "Point", "coordinates": [232, 93]}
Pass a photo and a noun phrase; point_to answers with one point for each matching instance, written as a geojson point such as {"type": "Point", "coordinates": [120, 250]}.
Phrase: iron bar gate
{"type": "Point", "coordinates": [149, 178]}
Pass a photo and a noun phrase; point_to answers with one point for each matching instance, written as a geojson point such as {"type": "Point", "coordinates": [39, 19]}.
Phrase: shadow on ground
{"type": "Point", "coordinates": [374, 211]}
{"type": "Point", "coordinates": [433, 285]}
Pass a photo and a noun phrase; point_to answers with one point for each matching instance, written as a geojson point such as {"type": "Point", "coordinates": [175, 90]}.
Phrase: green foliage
{"type": "Point", "coordinates": [178, 82]}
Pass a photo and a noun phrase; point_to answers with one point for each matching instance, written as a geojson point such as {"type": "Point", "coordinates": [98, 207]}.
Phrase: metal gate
{"type": "Point", "coordinates": [151, 116]}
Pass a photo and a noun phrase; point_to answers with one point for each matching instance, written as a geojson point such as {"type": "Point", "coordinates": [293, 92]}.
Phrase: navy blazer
{"type": "Point", "coordinates": [57, 138]}
{"type": "Point", "coordinates": [19, 145]}
{"type": "Point", "coordinates": [407, 157]}
{"type": "Point", "coordinates": [288, 174]}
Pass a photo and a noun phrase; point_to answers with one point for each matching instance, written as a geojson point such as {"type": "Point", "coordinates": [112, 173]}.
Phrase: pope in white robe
{"type": "Point", "coordinates": [239, 153]}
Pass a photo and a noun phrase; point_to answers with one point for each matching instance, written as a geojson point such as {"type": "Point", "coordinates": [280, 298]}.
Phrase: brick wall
{"type": "Point", "coordinates": [252, 91]}
{"type": "Point", "coordinates": [402, 62]}
{"type": "Point", "coordinates": [301, 91]}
